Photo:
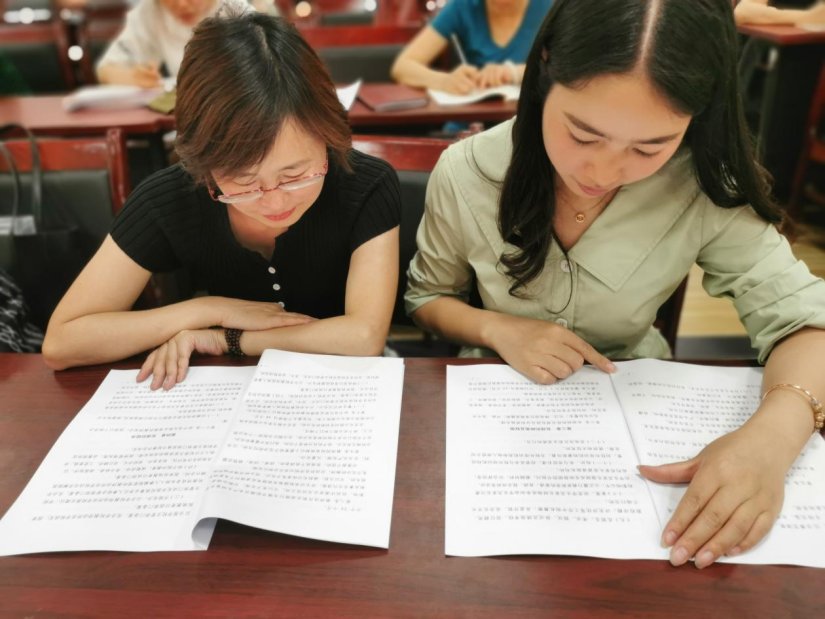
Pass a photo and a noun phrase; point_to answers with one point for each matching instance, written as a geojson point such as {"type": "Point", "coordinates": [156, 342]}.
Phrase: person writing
{"type": "Point", "coordinates": [291, 233]}
{"type": "Point", "coordinates": [788, 12]}
{"type": "Point", "coordinates": [628, 161]}
{"type": "Point", "coordinates": [492, 38]}
{"type": "Point", "coordinates": [155, 34]}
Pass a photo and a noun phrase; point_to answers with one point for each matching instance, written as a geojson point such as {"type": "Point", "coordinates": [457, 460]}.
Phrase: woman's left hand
{"type": "Point", "coordinates": [735, 494]}
{"type": "Point", "coordinates": [169, 363]}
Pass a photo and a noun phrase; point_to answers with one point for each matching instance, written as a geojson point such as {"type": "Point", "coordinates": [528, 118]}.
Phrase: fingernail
{"type": "Point", "coordinates": [704, 559]}
{"type": "Point", "coordinates": [669, 538]}
{"type": "Point", "coordinates": [679, 556]}
{"type": "Point", "coordinates": [736, 550]}
{"type": "Point", "coordinates": [611, 367]}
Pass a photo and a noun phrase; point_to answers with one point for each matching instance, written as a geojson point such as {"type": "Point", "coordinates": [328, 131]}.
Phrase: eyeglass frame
{"type": "Point", "coordinates": [257, 194]}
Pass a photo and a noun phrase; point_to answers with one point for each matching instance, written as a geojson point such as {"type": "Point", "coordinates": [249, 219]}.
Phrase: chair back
{"type": "Point", "coordinates": [359, 51]}
{"type": "Point", "coordinates": [413, 159]}
{"type": "Point", "coordinates": [40, 54]}
{"type": "Point", "coordinates": [813, 145]}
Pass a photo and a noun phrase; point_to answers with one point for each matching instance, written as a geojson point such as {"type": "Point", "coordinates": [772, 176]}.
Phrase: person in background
{"type": "Point", "coordinates": [629, 161]}
{"type": "Point", "coordinates": [154, 36]}
{"type": "Point", "coordinates": [493, 37]}
{"type": "Point", "coordinates": [787, 12]}
{"type": "Point", "coordinates": [292, 235]}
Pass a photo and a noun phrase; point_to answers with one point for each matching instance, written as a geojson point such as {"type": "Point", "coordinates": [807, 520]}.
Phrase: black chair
{"type": "Point", "coordinates": [40, 53]}
{"type": "Point", "coordinates": [413, 158]}
{"type": "Point", "coordinates": [359, 52]}
{"type": "Point", "coordinates": [84, 183]}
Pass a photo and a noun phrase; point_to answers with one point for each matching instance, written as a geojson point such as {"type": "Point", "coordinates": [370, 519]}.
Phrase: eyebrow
{"type": "Point", "coordinates": [291, 166]}
{"type": "Point", "coordinates": [585, 127]}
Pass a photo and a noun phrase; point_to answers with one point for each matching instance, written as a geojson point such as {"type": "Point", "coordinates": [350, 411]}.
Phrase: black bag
{"type": "Point", "coordinates": [45, 250]}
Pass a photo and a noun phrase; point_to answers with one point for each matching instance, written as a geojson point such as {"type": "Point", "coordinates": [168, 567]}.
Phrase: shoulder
{"type": "Point", "coordinates": [481, 158]}
{"type": "Point", "coordinates": [368, 173]}
{"type": "Point", "coordinates": [165, 194]}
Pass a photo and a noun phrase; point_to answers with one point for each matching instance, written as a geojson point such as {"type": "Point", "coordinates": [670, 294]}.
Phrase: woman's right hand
{"type": "Point", "coordinates": [461, 80]}
{"type": "Point", "coordinates": [256, 315]}
{"type": "Point", "coordinates": [543, 351]}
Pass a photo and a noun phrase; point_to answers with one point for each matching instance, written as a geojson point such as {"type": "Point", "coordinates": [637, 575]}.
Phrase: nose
{"type": "Point", "coordinates": [273, 199]}
{"type": "Point", "coordinates": [606, 168]}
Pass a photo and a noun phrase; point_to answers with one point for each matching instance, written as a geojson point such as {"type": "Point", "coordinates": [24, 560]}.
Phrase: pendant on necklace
{"type": "Point", "coordinates": [579, 217]}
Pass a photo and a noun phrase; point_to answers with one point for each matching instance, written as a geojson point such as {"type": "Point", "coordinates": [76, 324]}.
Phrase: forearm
{"type": "Point", "coordinates": [413, 73]}
{"type": "Point", "coordinates": [753, 13]}
{"type": "Point", "coordinates": [341, 335]}
{"type": "Point", "coordinates": [458, 322]}
{"type": "Point", "coordinates": [785, 413]}
{"type": "Point", "coordinates": [110, 336]}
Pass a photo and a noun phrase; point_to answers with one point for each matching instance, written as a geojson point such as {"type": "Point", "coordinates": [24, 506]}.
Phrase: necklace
{"type": "Point", "coordinates": [581, 215]}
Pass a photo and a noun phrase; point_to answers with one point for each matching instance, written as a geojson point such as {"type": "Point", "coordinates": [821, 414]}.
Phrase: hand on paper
{"type": "Point", "coordinates": [462, 80]}
{"type": "Point", "coordinates": [543, 351]}
{"type": "Point", "coordinates": [169, 363]}
{"type": "Point", "coordinates": [493, 75]}
{"type": "Point", "coordinates": [735, 495]}
{"type": "Point", "coordinates": [255, 315]}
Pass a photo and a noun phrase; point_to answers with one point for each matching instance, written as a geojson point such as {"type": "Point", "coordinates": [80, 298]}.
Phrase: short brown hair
{"type": "Point", "coordinates": [241, 77]}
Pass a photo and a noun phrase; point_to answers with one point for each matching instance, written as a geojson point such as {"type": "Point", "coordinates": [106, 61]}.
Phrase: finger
{"type": "Point", "coordinates": [146, 368]}
{"type": "Point", "coordinates": [171, 366]}
{"type": "Point", "coordinates": [570, 357]}
{"type": "Point", "coordinates": [671, 473]}
{"type": "Point", "coordinates": [712, 517]}
{"type": "Point", "coordinates": [731, 534]}
{"type": "Point", "coordinates": [470, 71]}
{"type": "Point", "coordinates": [183, 367]}
{"type": "Point", "coordinates": [760, 528]}
{"type": "Point", "coordinates": [159, 367]}
{"type": "Point", "coordinates": [556, 366]}
{"type": "Point", "coordinates": [688, 507]}
{"type": "Point", "coordinates": [539, 375]}
{"type": "Point", "coordinates": [591, 355]}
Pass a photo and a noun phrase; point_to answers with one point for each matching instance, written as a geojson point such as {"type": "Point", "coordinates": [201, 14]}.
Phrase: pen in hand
{"type": "Point", "coordinates": [457, 44]}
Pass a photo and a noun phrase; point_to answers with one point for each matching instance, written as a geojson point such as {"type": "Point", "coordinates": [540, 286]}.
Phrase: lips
{"type": "Point", "coordinates": [280, 216]}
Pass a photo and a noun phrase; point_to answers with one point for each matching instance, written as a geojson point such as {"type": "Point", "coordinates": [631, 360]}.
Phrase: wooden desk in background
{"type": "Point", "coordinates": [789, 85]}
{"type": "Point", "coordinates": [248, 572]}
{"type": "Point", "coordinates": [45, 115]}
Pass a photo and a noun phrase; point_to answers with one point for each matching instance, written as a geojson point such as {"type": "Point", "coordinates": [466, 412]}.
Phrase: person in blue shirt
{"type": "Point", "coordinates": [494, 37]}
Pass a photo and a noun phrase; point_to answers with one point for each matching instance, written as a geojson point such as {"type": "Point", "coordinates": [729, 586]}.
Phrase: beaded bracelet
{"type": "Point", "coordinates": [816, 405]}
{"type": "Point", "coordinates": [233, 342]}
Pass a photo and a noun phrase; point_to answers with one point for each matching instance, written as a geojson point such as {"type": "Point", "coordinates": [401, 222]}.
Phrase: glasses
{"type": "Point", "coordinates": [256, 194]}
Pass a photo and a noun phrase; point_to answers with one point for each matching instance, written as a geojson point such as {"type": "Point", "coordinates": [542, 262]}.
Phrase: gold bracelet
{"type": "Point", "coordinates": [816, 405]}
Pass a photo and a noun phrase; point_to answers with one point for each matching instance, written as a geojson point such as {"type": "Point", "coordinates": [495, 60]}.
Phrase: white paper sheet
{"type": "Point", "coordinates": [309, 450]}
{"type": "Point", "coordinates": [347, 94]}
{"type": "Point", "coordinates": [521, 457]}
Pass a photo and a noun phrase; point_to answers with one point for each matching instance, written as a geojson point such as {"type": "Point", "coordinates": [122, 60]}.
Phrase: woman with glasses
{"type": "Point", "coordinates": [291, 234]}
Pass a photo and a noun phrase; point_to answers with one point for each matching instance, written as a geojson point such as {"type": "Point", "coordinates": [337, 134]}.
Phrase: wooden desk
{"type": "Point", "coordinates": [788, 89]}
{"type": "Point", "coordinates": [782, 35]}
{"type": "Point", "coordinates": [251, 573]}
{"type": "Point", "coordinates": [45, 115]}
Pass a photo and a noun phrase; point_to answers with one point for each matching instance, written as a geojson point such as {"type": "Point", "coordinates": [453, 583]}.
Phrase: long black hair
{"type": "Point", "coordinates": [688, 48]}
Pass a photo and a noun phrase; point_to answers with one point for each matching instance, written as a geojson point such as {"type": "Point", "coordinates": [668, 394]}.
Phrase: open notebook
{"type": "Point", "coordinates": [508, 92]}
{"type": "Point", "coordinates": [301, 444]}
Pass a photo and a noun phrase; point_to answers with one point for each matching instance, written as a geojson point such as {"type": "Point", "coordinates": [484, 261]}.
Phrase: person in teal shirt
{"type": "Point", "coordinates": [494, 37]}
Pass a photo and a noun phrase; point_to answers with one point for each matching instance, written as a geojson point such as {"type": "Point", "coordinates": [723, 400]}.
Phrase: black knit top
{"type": "Point", "coordinates": [168, 222]}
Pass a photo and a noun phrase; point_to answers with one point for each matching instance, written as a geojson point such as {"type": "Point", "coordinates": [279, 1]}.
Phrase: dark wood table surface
{"type": "Point", "coordinates": [252, 573]}
{"type": "Point", "coordinates": [44, 114]}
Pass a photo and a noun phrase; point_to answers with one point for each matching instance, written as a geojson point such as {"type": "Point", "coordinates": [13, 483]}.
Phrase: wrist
{"type": "Point", "coordinates": [233, 342]}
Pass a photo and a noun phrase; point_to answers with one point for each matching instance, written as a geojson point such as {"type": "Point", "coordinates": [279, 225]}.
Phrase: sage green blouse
{"type": "Point", "coordinates": [623, 267]}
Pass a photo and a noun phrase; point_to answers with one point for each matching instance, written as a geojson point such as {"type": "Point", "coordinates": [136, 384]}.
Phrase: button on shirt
{"type": "Point", "coordinates": [626, 264]}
